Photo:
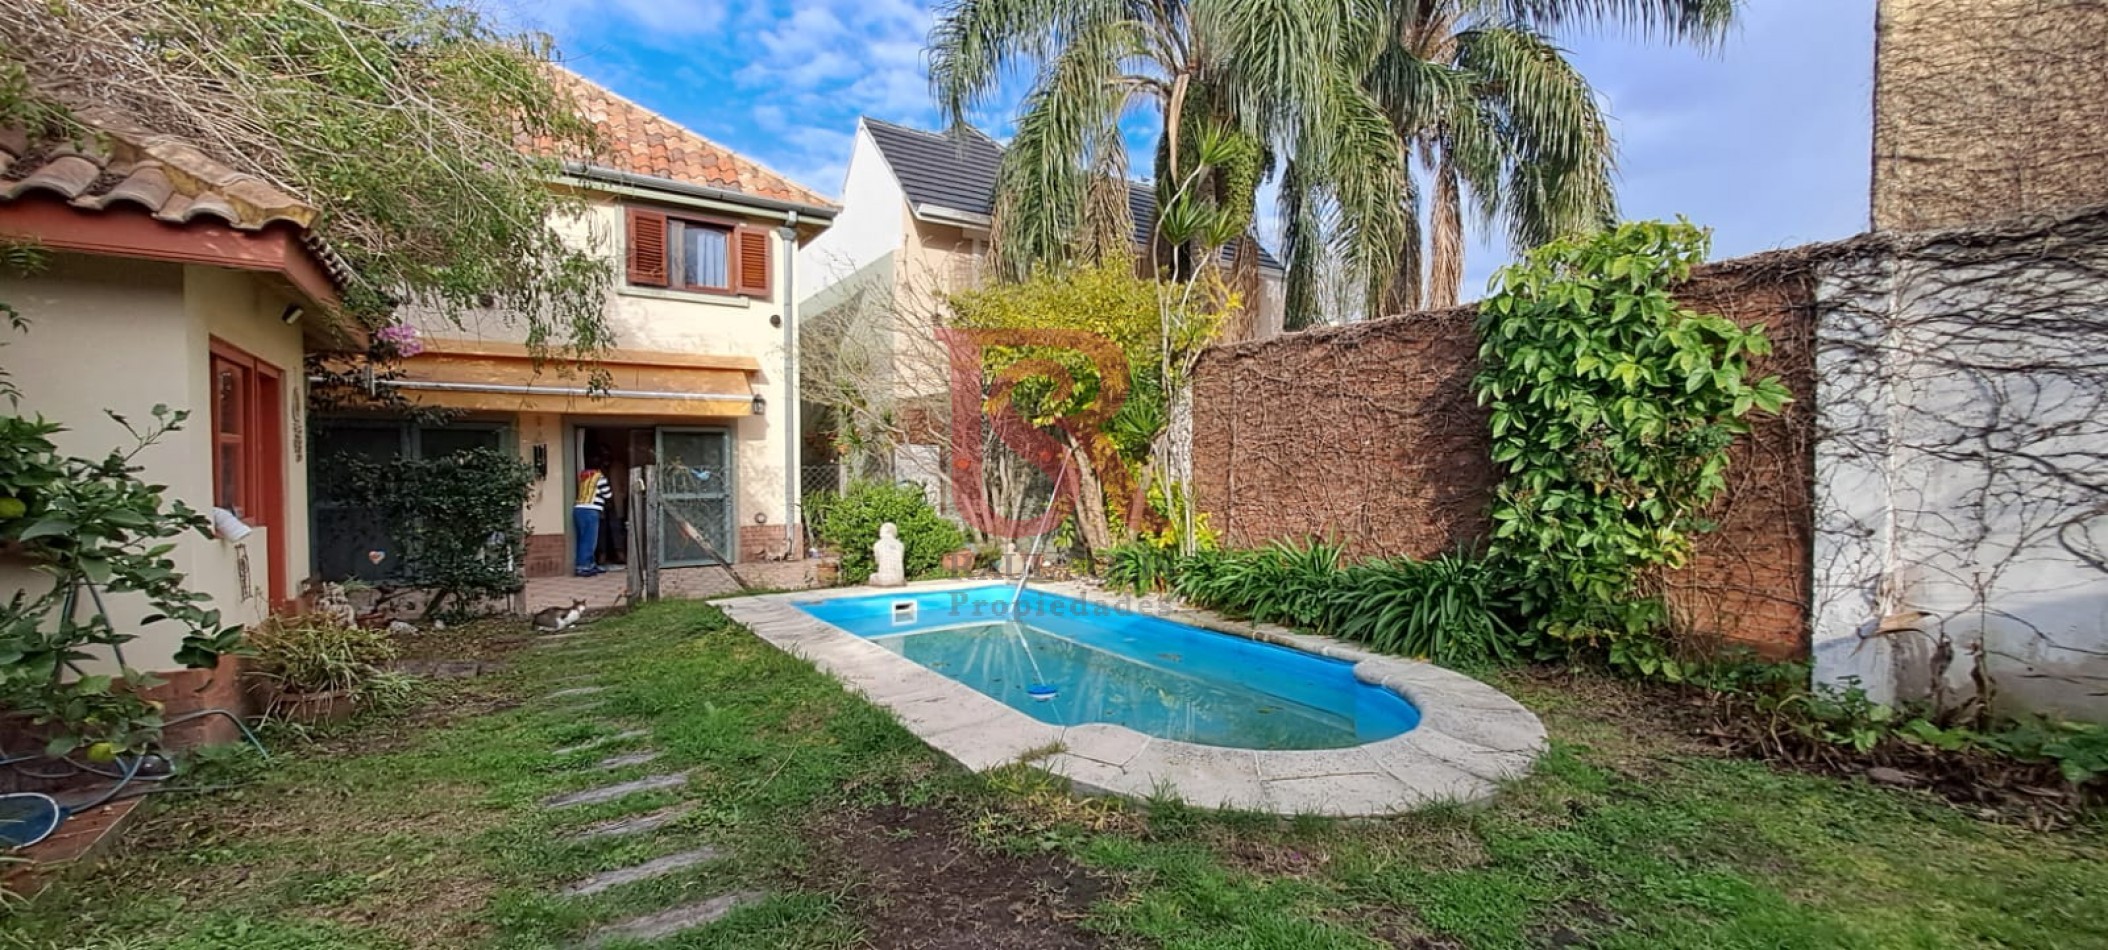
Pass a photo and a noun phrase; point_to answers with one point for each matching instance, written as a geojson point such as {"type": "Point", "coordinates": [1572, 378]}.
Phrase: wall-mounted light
{"type": "Point", "coordinates": [761, 406]}
{"type": "Point", "coordinates": [291, 314]}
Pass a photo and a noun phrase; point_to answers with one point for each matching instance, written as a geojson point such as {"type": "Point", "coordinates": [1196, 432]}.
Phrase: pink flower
{"type": "Point", "coordinates": [402, 338]}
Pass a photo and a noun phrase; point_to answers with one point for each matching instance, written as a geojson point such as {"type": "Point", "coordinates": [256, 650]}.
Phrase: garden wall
{"type": "Point", "coordinates": [1370, 434]}
{"type": "Point", "coordinates": [1962, 473]}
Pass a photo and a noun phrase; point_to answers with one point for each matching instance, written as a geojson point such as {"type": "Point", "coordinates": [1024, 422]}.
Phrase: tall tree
{"type": "Point", "coordinates": [1240, 78]}
{"type": "Point", "coordinates": [401, 121]}
{"type": "Point", "coordinates": [1495, 119]}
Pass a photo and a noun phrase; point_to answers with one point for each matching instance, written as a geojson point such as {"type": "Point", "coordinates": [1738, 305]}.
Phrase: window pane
{"type": "Point", "coordinates": [706, 257]}
{"type": "Point", "coordinates": [228, 493]}
{"type": "Point", "coordinates": [440, 443]}
{"type": "Point", "coordinates": [227, 398]}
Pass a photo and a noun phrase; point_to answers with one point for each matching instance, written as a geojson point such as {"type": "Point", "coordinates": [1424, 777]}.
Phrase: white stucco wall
{"type": "Point", "coordinates": [1962, 473]}
{"type": "Point", "coordinates": [868, 228]}
{"type": "Point", "coordinates": [126, 335]}
{"type": "Point", "coordinates": [673, 322]}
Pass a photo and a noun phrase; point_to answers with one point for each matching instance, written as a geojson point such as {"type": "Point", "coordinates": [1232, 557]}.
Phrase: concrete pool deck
{"type": "Point", "coordinates": [1470, 738]}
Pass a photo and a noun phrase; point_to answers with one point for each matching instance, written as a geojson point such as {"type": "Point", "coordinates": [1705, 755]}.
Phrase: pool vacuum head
{"type": "Point", "coordinates": [1041, 691]}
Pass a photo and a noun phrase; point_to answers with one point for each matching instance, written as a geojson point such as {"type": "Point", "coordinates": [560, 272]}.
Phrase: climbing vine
{"type": "Point", "coordinates": [1611, 410]}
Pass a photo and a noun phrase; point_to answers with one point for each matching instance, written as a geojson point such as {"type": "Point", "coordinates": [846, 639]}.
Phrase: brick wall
{"type": "Point", "coordinates": [1369, 434]}
{"type": "Point", "coordinates": [1988, 109]}
{"type": "Point", "coordinates": [548, 555]}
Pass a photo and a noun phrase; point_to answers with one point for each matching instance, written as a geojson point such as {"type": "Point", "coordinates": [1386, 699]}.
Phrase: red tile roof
{"type": "Point", "coordinates": [168, 177]}
{"type": "Point", "coordinates": [642, 142]}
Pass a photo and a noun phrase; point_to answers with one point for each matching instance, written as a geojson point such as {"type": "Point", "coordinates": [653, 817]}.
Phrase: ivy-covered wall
{"type": "Point", "coordinates": [1370, 434]}
{"type": "Point", "coordinates": [1962, 473]}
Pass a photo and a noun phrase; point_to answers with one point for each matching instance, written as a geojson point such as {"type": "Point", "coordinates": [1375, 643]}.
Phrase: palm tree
{"type": "Point", "coordinates": [1231, 83]}
{"type": "Point", "coordinates": [1494, 116]}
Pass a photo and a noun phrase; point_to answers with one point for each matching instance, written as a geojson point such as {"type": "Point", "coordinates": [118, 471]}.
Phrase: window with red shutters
{"type": "Point", "coordinates": [753, 254]}
{"type": "Point", "coordinates": [647, 248]}
{"type": "Point", "coordinates": [697, 254]}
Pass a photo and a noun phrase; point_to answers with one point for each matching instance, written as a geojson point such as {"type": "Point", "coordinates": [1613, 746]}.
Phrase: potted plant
{"type": "Point", "coordinates": [315, 668]}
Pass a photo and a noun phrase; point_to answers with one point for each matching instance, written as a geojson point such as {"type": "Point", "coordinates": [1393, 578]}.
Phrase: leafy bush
{"type": "Point", "coordinates": [1140, 567]}
{"type": "Point", "coordinates": [849, 523]}
{"type": "Point", "coordinates": [1611, 409]}
{"type": "Point", "coordinates": [315, 653]}
{"type": "Point", "coordinates": [456, 519]}
{"type": "Point", "coordinates": [93, 528]}
{"type": "Point", "coordinates": [1454, 609]}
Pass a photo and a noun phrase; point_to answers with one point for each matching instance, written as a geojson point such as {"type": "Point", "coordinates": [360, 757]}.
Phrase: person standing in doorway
{"type": "Point", "coordinates": [594, 490]}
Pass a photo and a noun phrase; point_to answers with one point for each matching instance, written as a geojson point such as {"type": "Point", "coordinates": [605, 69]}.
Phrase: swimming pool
{"type": "Point", "coordinates": [1217, 713]}
{"type": "Point", "coordinates": [1066, 662]}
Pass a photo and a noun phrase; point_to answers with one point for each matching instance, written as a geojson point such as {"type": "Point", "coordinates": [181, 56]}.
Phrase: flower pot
{"type": "Point", "coordinates": [959, 562]}
{"type": "Point", "coordinates": [827, 572]}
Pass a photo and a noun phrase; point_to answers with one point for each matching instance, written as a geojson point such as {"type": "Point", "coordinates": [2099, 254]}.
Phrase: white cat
{"type": "Point", "coordinates": [554, 619]}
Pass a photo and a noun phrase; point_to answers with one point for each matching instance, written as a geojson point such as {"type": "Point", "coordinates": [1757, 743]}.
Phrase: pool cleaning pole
{"type": "Point", "coordinates": [1026, 574]}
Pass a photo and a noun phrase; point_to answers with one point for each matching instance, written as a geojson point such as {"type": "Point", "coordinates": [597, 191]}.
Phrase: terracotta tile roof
{"type": "Point", "coordinates": [168, 177]}
{"type": "Point", "coordinates": [642, 142]}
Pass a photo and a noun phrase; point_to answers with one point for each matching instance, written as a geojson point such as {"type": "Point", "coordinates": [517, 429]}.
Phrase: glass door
{"type": "Point", "coordinates": [695, 497]}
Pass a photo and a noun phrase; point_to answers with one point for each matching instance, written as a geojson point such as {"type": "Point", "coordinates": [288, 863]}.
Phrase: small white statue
{"type": "Point", "coordinates": [891, 556]}
{"type": "Point", "coordinates": [1013, 561]}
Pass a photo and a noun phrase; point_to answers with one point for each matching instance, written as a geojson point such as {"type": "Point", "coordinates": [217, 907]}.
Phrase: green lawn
{"type": "Point", "coordinates": [427, 831]}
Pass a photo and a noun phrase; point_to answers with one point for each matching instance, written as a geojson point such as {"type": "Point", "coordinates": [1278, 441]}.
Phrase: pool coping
{"type": "Point", "coordinates": [1471, 737]}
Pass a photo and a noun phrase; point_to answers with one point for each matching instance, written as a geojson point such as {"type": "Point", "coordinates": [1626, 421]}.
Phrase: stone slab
{"type": "Point", "coordinates": [591, 744]}
{"type": "Point", "coordinates": [666, 923]}
{"type": "Point", "coordinates": [625, 760]}
{"type": "Point", "coordinates": [608, 793]}
{"type": "Point", "coordinates": [656, 867]}
{"type": "Point", "coordinates": [635, 824]}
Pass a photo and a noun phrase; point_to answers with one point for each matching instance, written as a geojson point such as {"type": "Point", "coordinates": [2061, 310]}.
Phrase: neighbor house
{"type": "Point", "coordinates": [702, 240]}
{"type": "Point", "coordinates": [914, 226]}
{"type": "Point", "coordinates": [171, 279]}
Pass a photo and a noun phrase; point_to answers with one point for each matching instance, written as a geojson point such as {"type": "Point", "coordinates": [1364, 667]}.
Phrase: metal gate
{"type": "Point", "coordinates": [694, 501]}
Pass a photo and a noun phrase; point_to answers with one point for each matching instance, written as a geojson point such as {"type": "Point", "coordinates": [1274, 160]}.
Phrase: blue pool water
{"type": "Point", "coordinates": [1107, 665]}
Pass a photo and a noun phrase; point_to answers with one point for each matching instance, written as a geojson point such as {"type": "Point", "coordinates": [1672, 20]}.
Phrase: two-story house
{"type": "Point", "coordinates": [699, 377]}
{"type": "Point", "coordinates": [914, 226]}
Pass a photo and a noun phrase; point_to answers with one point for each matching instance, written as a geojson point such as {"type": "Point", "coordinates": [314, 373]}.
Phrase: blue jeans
{"type": "Point", "coordinates": [585, 523]}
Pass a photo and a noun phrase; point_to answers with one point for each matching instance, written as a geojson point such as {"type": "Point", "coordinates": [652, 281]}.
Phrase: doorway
{"type": "Point", "coordinates": [694, 469]}
{"type": "Point", "coordinates": [618, 451]}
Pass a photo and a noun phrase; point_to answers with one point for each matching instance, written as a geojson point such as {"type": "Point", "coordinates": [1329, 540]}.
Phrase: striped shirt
{"type": "Point", "coordinates": [594, 489]}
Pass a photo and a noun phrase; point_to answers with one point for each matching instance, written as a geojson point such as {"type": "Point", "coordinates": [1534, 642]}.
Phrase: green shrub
{"type": "Point", "coordinates": [1611, 408]}
{"type": "Point", "coordinates": [455, 518]}
{"type": "Point", "coordinates": [849, 523]}
{"type": "Point", "coordinates": [315, 653]}
{"type": "Point", "coordinates": [1140, 567]}
{"type": "Point", "coordinates": [1454, 609]}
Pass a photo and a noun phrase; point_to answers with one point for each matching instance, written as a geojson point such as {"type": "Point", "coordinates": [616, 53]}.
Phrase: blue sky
{"type": "Point", "coordinates": [1765, 140]}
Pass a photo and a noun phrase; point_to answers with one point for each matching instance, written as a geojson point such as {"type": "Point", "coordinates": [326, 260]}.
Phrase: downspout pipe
{"type": "Point", "coordinates": [792, 536]}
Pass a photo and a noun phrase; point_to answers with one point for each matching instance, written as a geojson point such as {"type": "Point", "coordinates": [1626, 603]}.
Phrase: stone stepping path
{"type": "Point", "coordinates": [577, 691]}
{"type": "Point", "coordinates": [657, 867]}
{"type": "Point", "coordinates": [666, 923]}
{"type": "Point", "coordinates": [624, 761]}
{"type": "Point", "coordinates": [591, 744]}
{"type": "Point", "coordinates": [638, 824]}
{"type": "Point", "coordinates": [608, 793]}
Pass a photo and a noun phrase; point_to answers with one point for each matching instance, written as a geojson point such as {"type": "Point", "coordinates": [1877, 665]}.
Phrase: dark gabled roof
{"type": "Point", "coordinates": [1141, 205]}
{"type": "Point", "coordinates": [951, 171]}
{"type": "Point", "coordinates": [957, 172]}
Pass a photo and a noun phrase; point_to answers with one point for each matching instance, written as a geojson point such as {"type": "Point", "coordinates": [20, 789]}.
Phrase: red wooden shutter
{"type": "Point", "coordinates": [647, 248]}
{"type": "Point", "coordinates": [750, 260]}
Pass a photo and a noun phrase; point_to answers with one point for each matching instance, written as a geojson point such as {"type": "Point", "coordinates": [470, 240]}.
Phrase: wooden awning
{"type": "Point", "coordinates": [503, 377]}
